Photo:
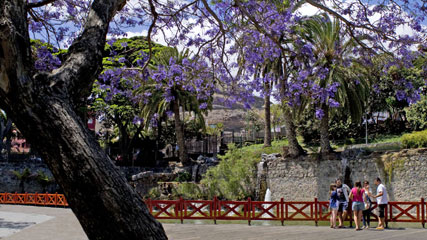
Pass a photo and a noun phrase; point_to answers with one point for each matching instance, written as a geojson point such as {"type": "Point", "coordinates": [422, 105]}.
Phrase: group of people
{"type": "Point", "coordinates": [361, 198]}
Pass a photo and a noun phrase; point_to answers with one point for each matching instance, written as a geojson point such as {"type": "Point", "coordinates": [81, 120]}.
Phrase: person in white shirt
{"type": "Point", "coordinates": [382, 201]}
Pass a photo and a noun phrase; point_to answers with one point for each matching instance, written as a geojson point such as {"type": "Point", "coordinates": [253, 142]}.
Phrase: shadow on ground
{"type": "Point", "coordinates": [15, 225]}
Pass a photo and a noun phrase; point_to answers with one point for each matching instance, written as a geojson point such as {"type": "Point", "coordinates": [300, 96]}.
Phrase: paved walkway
{"type": "Point", "coordinates": [43, 223]}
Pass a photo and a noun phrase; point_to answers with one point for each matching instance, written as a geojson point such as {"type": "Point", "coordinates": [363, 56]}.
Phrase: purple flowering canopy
{"type": "Point", "coordinates": [232, 39]}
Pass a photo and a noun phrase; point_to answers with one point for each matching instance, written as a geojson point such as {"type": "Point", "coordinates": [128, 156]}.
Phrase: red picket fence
{"type": "Point", "coordinates": [274, 211]}
{"type": "Point", "coordinates": [249, 210]}
{"type": "Point", "coordinates": [43, 199]}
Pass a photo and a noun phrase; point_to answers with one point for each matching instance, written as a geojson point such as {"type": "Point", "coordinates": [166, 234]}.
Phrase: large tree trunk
{"type": "Point", "coordinates": [325, 146]}
{"type": "Point", "coordinates": [179, 132]}
{"type": "Point", "coordinates": [43, 108]}
{"type": "Point", "coordinates": [267, 112]}
{"type": "Point", "coordinates": [295, 149]}
{"type": "Point", "coordinates": [106, 206]}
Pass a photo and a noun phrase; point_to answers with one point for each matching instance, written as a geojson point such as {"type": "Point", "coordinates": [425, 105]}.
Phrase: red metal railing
{"type": "Point", "coordinates": [239, 210]}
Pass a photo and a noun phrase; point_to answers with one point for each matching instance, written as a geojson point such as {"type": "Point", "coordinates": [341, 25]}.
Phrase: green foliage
{"type": "Point", "coordinates": [189, 190]}
{"type": "Point", "coordinates": [234, 177]}
{"type": "Point", "coordinates": [43, 179]}
{"type": "Point", "coordinates": [60, 53]}
{"type": "Point", "coordinates": [254, 121]}
{"type": "Point", "coordinates": [417, 114]}
{"type": "Point", "coordinates": [131, 49]}
{"type": "Point", "coordinates": [183, 177]}
{"type": "Point", "coordinates": [154, 193]}
{"type": "Point", "coordinates": [24, 175]}
{"type": "Point", "coordinates": [341, 126]}
{"type": "Point", "coordinates": [216, 130]}
{"type": "Point", "coordinates": [384, 98]}
{"type": "Point", "coordinates": [415, 139]}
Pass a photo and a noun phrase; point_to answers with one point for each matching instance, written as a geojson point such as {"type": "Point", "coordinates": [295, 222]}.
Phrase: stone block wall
{"type": "Point", "coordinates": [10, 183]}
{"type": "Point", "coordinates": [404, 173]}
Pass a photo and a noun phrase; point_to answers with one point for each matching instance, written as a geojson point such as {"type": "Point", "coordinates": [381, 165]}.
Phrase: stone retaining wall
{"type": "Point", "coordinates": [404, 173]}
{"type": "Point", "coordinates": [9, 182]}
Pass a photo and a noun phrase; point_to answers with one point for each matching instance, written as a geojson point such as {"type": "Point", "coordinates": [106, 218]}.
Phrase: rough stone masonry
{"type": "Point", "coordinates": [403, 172]}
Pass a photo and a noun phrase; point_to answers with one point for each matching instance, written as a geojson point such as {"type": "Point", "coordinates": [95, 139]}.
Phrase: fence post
{"type": "Point", "coordinates": [15, 196]}
{"type": "Point", "coordinates": [423, 213]}
{"type": "Point", "coordinates": [315, 211]}
{"type": "Point", "coordinates": [25, 198]}
{"type": "Point", "coordinates": [249, 210]}
{"type": "Point", "coordinates": [181, 212]}
{"type": "Point", "coordinates": [150, 206]}
{"type": "Point", "coordinates": [56, 199]}
{"type": "Point", "coordinates": [386, 214]}
{"type": "Point", "coordinates": [282, 214]}
{"type": "Point", "coordinates": [215, 208]}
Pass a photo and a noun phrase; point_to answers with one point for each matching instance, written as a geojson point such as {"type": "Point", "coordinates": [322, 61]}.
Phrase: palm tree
{"type": "Point", "coordinates": [22, 177]}
{"type": "Point", "coordinates": [183, 100]}
{"type": "Point", "coordinates": [330, 49]}
{"type": "Point", "coordinates": [275, 68]}
{"type": "Point", "coordinates": [43, 179]}
{"type": "Point", "coordinates": [279, 69]}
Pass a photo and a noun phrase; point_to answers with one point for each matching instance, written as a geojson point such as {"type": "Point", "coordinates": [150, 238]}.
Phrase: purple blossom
{"type": "Point", "coordinates": [303, 75]}
{"type": "Point", "coordinates": [332, 103]}
{"type": "Point", "coordinates": [203, 105]}
{"type": "Point", "coordinates": [400, 95]}
{"type": "Point", "coordinates": [319, 113]}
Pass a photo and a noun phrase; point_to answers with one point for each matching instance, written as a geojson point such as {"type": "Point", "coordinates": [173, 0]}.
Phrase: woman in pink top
{"type": "Point", "coordinates": [357, 195]}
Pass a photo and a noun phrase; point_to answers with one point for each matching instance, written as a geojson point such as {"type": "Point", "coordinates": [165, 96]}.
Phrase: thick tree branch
{"type": "Point", "coordinates": [39, 4]}
{"type": "Point", "coordinates": [85, 54]}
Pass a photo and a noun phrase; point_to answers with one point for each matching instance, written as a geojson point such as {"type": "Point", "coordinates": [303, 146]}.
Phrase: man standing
{"type": "Point", "coordinates": [342, 191]}
{"type": "Point", "coordinates": [382, 201]}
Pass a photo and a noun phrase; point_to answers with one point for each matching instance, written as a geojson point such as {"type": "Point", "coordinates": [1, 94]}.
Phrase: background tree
{"type": "Point", "coordinates": [342, 79]}
{"type": "Point", "coordinates": [182, 83]}
{"type": "Point", "coordinates": [5, 134]}
{"type": "Point", "coordinates": [113, 98]}
{"type": "Point", "coordinates": [23, 177]}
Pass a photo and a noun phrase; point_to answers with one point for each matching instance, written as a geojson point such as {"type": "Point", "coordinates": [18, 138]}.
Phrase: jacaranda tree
{"type": "Point", "coordinates": [44, 96]}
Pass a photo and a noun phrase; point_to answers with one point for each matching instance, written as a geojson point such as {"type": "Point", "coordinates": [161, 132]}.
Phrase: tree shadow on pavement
{"type": "Point", "coordinates": [15, 225]}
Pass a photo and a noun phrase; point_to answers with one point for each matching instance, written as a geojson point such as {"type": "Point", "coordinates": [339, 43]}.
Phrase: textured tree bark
{"type": "Point", "coordinates": [43, 107]}
{"type": "Point", "coordinates": [179, 132]}
{"type": "Point", "coordinates": [295, 149]}
{"type": "Point", "coordinates": [325, 146]}
{"type": "Point", "coordinates": [267, 112]}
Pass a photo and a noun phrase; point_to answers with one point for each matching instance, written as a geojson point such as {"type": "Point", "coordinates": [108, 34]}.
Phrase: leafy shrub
{"type": "Point", "coordinates": [417, 114]}
{"type": "Point", "coordinates": [154, 193]}
{"type": "Point", "coordinates": [188, 190]}
{"type": "Point", "coordinates": [233, 178]}
{"type": "Point", "coordinates": [183, 177]}
{"type": "Point", "coordinates": [415, 139]}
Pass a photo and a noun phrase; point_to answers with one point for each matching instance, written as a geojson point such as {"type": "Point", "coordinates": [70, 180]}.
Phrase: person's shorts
{"type": "Point", "coordinates": [342, 206]}
{"type": "Point", "coordinates": [358, 206]}
{"type": "Point", "coordinates": [381, 210]}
